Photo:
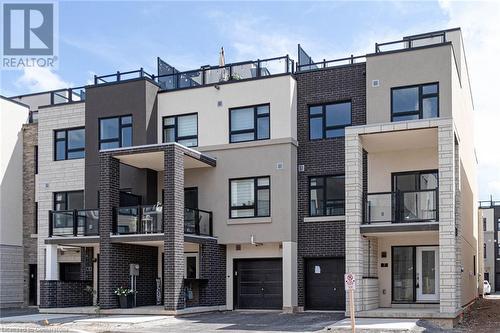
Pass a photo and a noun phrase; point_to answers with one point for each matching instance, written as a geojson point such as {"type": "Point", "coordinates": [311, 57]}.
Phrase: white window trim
{"type": "Point", "coordinates": [190, 255]}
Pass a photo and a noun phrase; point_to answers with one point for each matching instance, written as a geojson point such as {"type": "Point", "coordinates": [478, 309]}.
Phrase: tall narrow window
{"type": "Point", "coordinates": [329, 120]}
{"type": "Point", "coordinates": [115, 132]}
{"type": "Point", "coordinates": [415, 102]}
{"type": "Point", "coordinates": [327, 196]}
{"type": "Point", "coordinates": [68, 144]}
{"type": "Point", "coordinates": [36, 159]}
{"type": "Point", "coordinates": [250, 197]}
{"type": "Point", "coordinates": [35, 222]}
{"type": "Point", "coordinates": [68, 200]}
{"type": "Point", "coordinates": [484, 250]}
{"type": "Point", "coordinates": [484, 224]}
{"type": "Point", "coordinates": [182, 129]}
{"type": "Point", "coordinates": [249, 123]}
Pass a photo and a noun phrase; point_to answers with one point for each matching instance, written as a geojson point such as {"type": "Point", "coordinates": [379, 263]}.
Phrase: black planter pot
{"type": "Point", "coordinates": [126, 301]}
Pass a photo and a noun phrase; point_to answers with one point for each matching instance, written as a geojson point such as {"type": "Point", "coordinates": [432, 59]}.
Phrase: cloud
{"type": "Point", "coordinates": [36, 79]}
{"type": "Point", "coordinates": [481, 28]}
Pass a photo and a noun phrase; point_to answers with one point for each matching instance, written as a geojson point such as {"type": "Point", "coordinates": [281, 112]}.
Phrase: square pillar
{"type": "Point", "coordinates": [51, 272]}
{"type": "Point", "coordinates": [173, 226]}
{"type": "Point", "coordinates": [109, 198]}
{"type": "Point", "coordinates": [449, 230]}
{"type": "Point", "coordinates": [290, 276]}
{"type": "Point", "coordinates": [213, 268]}
{"type": "Point", "coordinates": [354, 246]}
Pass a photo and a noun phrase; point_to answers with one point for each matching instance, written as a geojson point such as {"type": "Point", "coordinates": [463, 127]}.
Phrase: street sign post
{"type": "Point", "coordinates": [350, 286]}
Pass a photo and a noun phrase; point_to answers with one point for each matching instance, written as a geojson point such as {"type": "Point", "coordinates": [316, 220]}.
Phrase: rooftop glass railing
{"type": "Point", "coordinates": [411, 42]}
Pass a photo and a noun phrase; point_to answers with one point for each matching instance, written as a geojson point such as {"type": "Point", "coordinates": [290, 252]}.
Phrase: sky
{"type": "Point", "coordinates": [103, 37]}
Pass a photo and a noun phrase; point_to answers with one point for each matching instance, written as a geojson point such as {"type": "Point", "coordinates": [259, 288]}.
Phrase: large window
{"type": "Point", "coordinates": [68, 144]}
{"type": "Point", "coordinates": [327, 196]}
{"type": "Point", "coordinates": [250, 197]}
{"type": "Point", "coordinates": [182, 129]}
{"type": "Point", "coordinates": [68, 200]}
{"type": "Point", "coordinates": [115, 132]}
{"type": "Point", "coordinates": [415, 102]}
{"type": "Point", "coordinates": [249, 123]}
{"type": "Point", "coordinates": [329, 120]}
{"type": "Point", "coordinates": [69, 271]}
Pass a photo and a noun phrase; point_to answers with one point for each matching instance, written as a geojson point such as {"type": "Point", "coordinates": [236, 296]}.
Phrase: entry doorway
{"type": "Point", "coordinates": [415, 274]}
{"type": "Point", "coordinates": [32, 284]}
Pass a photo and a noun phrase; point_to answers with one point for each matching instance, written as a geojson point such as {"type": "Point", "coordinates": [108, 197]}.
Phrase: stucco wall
{"type": "Point", "coordinates": [213, 120]}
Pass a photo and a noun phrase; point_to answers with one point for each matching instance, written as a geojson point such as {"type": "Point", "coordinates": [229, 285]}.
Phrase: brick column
{"type": "Point", "coordinates": [173, 226]}
{"type": "Point", "coordinates": [109, 198]}
{"type": "Point", "coordinates": [354, 243]}
{"type": "Point", "coordinates": [213, 268]}
{"type": "Point", "coordinates": [449, 261]}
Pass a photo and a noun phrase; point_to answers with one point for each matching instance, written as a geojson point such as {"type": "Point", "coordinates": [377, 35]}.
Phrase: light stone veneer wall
{"type": "Point", "coordinates": [54, 176]}
{"type": "Point", "coordinates": [449, 213]}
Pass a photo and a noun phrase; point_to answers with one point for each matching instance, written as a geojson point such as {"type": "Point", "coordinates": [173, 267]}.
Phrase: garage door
{"type": "Point", "coordinates": [258, 284]}
{"type": "Point", "coordinates": [324, 278]}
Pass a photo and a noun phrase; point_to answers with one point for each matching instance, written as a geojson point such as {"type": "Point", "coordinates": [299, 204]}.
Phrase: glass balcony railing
{"type": "Point", "coordinates": [401, 207]}
{"type": "Point", "coordinates": [74, 223]}
{"type": "Point", "coordinates": [149, 220]}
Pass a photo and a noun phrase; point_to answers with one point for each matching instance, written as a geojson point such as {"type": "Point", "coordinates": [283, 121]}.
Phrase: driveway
{"type": "Point", "coordinates": [227, 322]}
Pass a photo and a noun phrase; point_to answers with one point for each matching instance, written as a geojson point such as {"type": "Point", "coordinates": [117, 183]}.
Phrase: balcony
{"type": "Point", "coordinates": [412, 42]}
{"type": "Point", "coordinates": [401, 207]}
{"type": "Point", "coordinates": [135, 220]}
{"type": "Point", "coordinates": [74, 223]}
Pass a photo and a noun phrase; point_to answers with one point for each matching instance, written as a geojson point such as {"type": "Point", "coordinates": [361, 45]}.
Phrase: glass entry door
{"type": "Point", "coordinates": [427, 273]}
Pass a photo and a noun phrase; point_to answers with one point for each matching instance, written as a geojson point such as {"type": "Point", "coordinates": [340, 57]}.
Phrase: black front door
{"type": "Point", "coordinates": [325, 284]}
{"type": "Point", "coordinates": [32, 284]}
{"type": "Point", "coordinates": [258, 284]}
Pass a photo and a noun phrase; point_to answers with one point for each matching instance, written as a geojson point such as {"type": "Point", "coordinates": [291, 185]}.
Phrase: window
{"type": "Point", "coordinates": [329, 120]}
{"type": "Point", "coordinates": [36, 160]}
{"type": "Point", "coordinates": [115, 132]}
{"type": "Point", "coordinates": [249, 123]}
{"type": "Point", "coordinates": [35, 224]}
{"type": "Point", "coordinates": [415, 102]}
{"type": "Point", "coordinates": [250, 197]}
{"type": "Point", "coordinates": [68, 200]}
{"type": "Point", "coordinates": [69, 271]}
{"type": "Point", "coordinates": [484, 250]}
{"type": "Point", "coordinates": [474, 263]}
{"type": "Point", "coordinates": [484, 224]}
{"type": "Point", "coordinates": [327, 196]}
{"type": "Point", "coordinates": [191, 265]}
{"type": "Point", "coordinates": [68, 144]}
{"type": "Point", "coordinates": [182, 129]}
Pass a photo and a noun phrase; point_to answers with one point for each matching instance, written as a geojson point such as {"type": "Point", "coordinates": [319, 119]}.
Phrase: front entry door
{"type": "Point", "coordinates": [427, 273]}
{"type": "Point", "coordinates": [32, 285]}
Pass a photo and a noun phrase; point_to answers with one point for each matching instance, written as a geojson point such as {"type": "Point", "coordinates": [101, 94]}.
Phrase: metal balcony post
{"type": "Point", "coordinates": [75, 222]}
{"type": "Point", "coordinates": [258, 68]}
{"type": "Point", "coordinates": [210, 222]}
{"type": "Point", "coordinates": [196, 222]}
{"type": "Point", "coordinates": [287, 63]}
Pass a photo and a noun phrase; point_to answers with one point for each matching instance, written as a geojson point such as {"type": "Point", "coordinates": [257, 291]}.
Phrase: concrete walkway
{"type": "Point", "coordinates": [374, 325]}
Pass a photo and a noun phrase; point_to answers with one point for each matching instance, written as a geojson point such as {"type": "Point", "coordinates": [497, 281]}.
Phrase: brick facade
{"type": "Point", "coordinates": [30, 246]}
{"type": "Point", "coordinates": [323, 157]}
{"type": "Point", "coordinates": [62, 294]}
{"type": "Point", "coordinates": [213, 268]}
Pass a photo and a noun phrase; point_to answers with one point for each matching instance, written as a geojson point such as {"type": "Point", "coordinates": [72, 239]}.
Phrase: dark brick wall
{"type": "Point", "coordinates": [213, 268]}
{"type": "Point", "coordinates": [323, 157]}
{"type": "Point", "coordinates": [61, 294]}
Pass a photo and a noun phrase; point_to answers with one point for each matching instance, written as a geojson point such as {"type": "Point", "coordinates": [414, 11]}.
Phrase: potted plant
{"type": "Point", "coordinates": [125, 296]}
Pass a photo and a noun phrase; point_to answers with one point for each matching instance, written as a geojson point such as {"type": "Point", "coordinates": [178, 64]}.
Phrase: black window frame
{"type": "Point", "coordinates": [255, 120]}
{"type": "Point", "coordinates": [421, 97]}
{"type": "Point", "coordinates": [68, 271]}
{"type": "Point", "coordinates": [485, 224]}
{"type": "Point", "coordinates": [66, 149]}
{"type": "Point", "coordinates": [118, 139]}
{"type": "Point", "coordinates": [322, 115]}
{"type": "Point", "coordinates": [35, 218]}
{"type": "Point", "coordinates": [310, 188]}
{"type": "Point", "coordinates": [65, 201]}
{"type": "Point", "coordinates": [255, 206]}
{"type": "Point", "coordinates": [175, 127]}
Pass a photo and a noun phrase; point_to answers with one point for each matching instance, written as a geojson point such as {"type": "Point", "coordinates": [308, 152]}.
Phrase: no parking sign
{"type": "Point", "coordinates": [350, 286]}
{"type": "Point", "coordinates": [350, 281]}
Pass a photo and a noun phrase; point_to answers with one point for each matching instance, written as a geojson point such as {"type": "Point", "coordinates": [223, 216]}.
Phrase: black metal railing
{"type": "Point", "coordinates": [122, 76]}
{"type": "Point", "coordinates": [489, 203]}
{"type": "Point", "coordinates": [74, 223]}
{"type": "Point", "coordinates": [231, 72]}
{"type": "Point", "coordinates": [401, 207]}
{"type": "Point", "coordinates": [330, 63]}
{"type": "Point", "coordinates": [149, 220]}
{"type": "Point", "coordinates": [411, 42]}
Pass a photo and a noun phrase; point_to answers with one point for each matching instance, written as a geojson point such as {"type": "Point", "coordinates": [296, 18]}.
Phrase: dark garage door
{"type": "Point", "coordinates": [258, 284]}
{"type": "Point", "coordinates": [325, 284]}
